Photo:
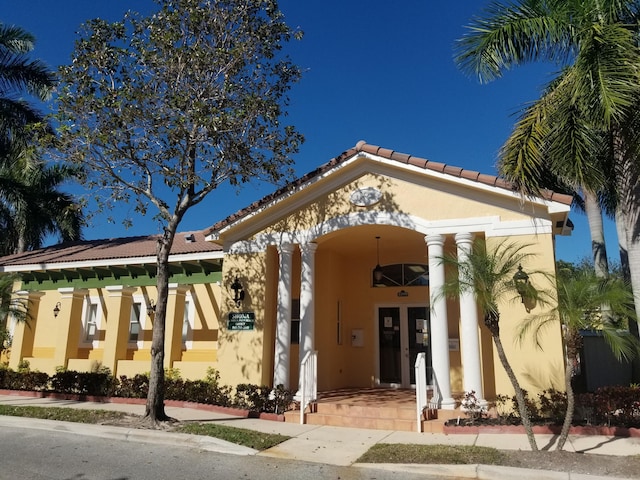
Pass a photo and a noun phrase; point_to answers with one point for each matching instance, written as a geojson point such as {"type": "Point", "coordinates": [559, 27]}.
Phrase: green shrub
{"type": "Point", "coordinates": [100, 382]}
{"type": "Point", "coordinates": [253, 397]}
{"type": "Point", "coordinates": [553, 405]}
{"type": "Point", "coordinates": [134, 387]}
{"type": "Point", "coordinates": [281, 400]}
{"type": "Point", "coordinates": [33, 381]}
{"type": "Point", "coordinates": [614, 406]}
{"type": "Point", "coordinates": [82, 383]}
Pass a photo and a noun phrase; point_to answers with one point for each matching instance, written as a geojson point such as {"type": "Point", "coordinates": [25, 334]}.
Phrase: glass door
{"type": "Point", "coordinates": [403, 332]}
{"type": "Point", "coordinates": [419, 339]}
{"type": "Point", "coordinates": [390, 344]}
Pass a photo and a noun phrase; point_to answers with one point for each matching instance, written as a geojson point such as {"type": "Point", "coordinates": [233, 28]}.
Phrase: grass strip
{"type": "Point", "coordinates": [61, 413]}
{"type": "Point", "coordinates": [239, 436]}
{"type": "Point", "coordinates": [431, 454]}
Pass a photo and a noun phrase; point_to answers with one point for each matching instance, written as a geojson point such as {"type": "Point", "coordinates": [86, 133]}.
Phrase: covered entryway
{"type": "Point", "coordinates": [403, 332]}
{"type": "Point", "coordinates": [348, 263]}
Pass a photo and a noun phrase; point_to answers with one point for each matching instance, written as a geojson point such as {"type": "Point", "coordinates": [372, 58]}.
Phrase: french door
{"type": "Point", "coordinates": [403, 332]}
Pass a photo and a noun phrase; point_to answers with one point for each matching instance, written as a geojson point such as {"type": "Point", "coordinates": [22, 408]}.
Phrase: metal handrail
{"type": "Point", "coordinates": [421, 387]}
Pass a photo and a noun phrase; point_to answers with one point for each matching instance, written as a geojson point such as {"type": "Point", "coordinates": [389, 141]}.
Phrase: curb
{"type": "Point", "coordinates": [126, 434]}
{"type": "Point", "coordinates": [482, 472]}
{"type": "Point", "coordinates": [542, 430]}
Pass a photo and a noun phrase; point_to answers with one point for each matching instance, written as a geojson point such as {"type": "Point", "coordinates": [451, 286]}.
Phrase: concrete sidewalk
{"type": "Point", "coordinates": [323, 444]}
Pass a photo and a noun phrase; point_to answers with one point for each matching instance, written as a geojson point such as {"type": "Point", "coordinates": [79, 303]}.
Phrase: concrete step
{"type": "Point", "coordinates": [372, 417]}
{"type": "Point", "coordinates": [350, 410]}
{"type": "Point", "coordinates": [373, 423]}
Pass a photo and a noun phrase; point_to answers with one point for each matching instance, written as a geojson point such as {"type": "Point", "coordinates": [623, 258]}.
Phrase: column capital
{"type": "Point", "coordinates": [72, 292]}
{"type": "Point", "coordinates": [285, 248]}
{"type": "Point", "coordinates": [119, 290]}
{"type": "Point", "coordinates": [32, 295]}
{"type": "Point", "coordinates": [464, 238]}
{"type": "Point", "coordinates": [309, 247]}
{"type": "Point", "coordinates": [177, 288]}
{"type": "Point", "coordinates": [434, 239]}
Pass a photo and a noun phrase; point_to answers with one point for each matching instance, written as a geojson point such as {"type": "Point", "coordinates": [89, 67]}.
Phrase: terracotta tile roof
{"type": "Point", "coordinates": [361, 146]}
{"type": "Point", "coordinates": [107, 249]}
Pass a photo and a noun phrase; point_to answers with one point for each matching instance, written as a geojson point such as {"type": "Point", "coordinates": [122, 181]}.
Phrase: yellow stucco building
{"type": "Point", "coordinates": [343, 262]}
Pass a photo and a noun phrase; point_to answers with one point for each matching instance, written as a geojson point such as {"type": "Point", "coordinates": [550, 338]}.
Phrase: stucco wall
{"type": "Point", "coordinates": [51, 342]}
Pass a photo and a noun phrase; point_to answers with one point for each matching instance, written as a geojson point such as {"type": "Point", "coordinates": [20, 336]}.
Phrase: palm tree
{"type": "Point", "coordinates": [19, 75]}
{"type": "Point", "coordinates": [488, 273]}
{"type": "Point", "coordinates": [581, 295]}
{"type": "Point", "coordinates": [554, 146]}
{"type": "Point", "coordinates": [10, 307]}
{"type": "Point", "coordinates": [32, 207]}
{"type": "Point", "coordinates": [595, 97]}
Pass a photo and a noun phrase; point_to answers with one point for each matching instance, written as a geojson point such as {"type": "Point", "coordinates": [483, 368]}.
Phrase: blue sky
{"type": "Point", "coordinates": [373, 72]}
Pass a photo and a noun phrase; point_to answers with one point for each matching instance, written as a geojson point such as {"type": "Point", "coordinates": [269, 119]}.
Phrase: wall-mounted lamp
{"type": "Point", "coordinates": [56, 309]}
{"type": "Point", "coordinates": [151, 308]}
{"type": "Point", "coordinates": [377, 272]}
{"type": "Point", "coordinates": [521, 281]}
{"type": "Point", "coordinates": [238, 292]}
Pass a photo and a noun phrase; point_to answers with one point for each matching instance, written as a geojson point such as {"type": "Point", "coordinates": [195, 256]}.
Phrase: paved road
{"type": "Point", "coordinates": [29, 454]}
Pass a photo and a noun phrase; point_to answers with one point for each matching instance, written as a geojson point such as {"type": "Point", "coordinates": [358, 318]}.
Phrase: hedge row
{"type": "Point", "coordinates": [610, 406]}
{"type": "Point", "coordinates": [208, 391]}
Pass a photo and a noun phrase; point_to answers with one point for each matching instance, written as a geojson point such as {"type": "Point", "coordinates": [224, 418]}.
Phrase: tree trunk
{"type": "Point", "coordinates": [628, 228]}
{"type": "Point", "coordinates": [155, 399]}
{"type": "Point", "coordinates": [628, 189]}
{"type": "Point", "coordinates": [596, 228]}
{"type": "Point", "coordinates": [21, 247]}
{"type": "Point", "coordinates": [572, 359]}
{"type": "Point", "coordinates": [522, 404]}
{"type": "Point", "coordinates": [624, 261]}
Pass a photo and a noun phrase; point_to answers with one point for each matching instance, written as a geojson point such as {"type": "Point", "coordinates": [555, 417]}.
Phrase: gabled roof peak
{"type": "Point", "coordinates": [403, 158]}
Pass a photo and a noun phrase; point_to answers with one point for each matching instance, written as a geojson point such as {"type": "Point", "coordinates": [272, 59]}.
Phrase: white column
{"type": "Point", "coordinates": [283, 325]}
{"type": "Point", "coordinates": [439, 323]}
{"type": "Point", "coordinates": [469, 341]}
{"type": "Point", "coordinates": [307, 293]}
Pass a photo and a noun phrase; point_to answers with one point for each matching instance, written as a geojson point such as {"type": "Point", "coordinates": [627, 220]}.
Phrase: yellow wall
{"type": "Point", "coordinates": [536, 368]}
{"type": "Point", "coordinates": [241, 353]}
{"type": "Point", "coordinates": [424, 199]}
{"type": "Point", "coordinates": [53, 342]}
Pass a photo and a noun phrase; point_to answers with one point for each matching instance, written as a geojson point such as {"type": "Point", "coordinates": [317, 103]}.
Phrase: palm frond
{"type": "Point", "coordinates": [508, 35]}
{"type": "Point", "coordinates": [588, 302]}
{"type": "Point", "coordinates": [488, 272]}
{"type": "Point", "coordinates": [15, 39]}
{"type": "Point", "coordinates": [10, 306]}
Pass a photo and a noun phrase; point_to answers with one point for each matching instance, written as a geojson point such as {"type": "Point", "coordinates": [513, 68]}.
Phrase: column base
{"type": "Point", "coordinates": [448, 404]}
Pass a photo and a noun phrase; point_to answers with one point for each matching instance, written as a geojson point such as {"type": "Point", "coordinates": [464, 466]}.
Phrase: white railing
{"type": "Point", "coordinates": [434, 402]}
{"type": "Point", "coordinates": [423, 402]}
{"type": "Point", "coordinates": [421, 387]}
{"type": "Point", "coordinates": [308, 382]}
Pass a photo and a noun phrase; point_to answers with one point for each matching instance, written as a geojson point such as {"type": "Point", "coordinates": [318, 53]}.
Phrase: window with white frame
{"type": "Point", "coordinates": [137, 320]}
{"type": "Point", "coordinates": [91, 320]}
{"type": "Point", "coordinates": [188, 321]}
{"type": "Point", "coordinates": [134, 322]}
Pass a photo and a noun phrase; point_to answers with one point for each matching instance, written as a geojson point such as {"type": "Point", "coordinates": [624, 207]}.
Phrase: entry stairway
{"type": "Point", "coordinates": [377, 409]}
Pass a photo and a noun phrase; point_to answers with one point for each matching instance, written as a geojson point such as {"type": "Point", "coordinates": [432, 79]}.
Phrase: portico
{"type": "Point", "coordinates": [317, 242]}
{"type": "Point", "coordinates": [436, 309]}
